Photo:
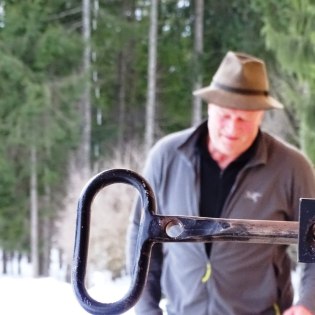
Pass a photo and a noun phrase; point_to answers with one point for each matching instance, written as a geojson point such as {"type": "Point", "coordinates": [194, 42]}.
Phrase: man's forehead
{"type": "Point", "coordinates": [233, 111]}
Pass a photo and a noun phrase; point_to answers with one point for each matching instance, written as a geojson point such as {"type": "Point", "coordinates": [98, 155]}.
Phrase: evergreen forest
{"type": "Point", "coordinates": [87, 85]}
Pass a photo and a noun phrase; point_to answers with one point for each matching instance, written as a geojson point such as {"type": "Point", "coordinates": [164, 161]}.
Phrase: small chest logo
{"type": "Point", "coordinates": [253, 195]}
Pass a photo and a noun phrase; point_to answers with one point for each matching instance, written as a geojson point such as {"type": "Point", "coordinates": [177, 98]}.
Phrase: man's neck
{"type": "Point", "coordinates": [222, 160]}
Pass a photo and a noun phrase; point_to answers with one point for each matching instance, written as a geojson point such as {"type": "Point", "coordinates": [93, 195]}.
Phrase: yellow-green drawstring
{"type": "Point", "coordinates": [276, 309]}
{"type": "Point", "coordinates": [207, 274]}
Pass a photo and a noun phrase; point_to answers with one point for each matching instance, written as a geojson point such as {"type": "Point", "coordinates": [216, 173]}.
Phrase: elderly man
{"type": "Point", "coordinates": [227, 167]}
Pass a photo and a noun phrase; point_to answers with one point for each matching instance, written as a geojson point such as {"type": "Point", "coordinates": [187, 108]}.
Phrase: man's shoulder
{"type": "Point", "coordinates": [173, 140]}
{"type": "Point", "coordinates": [282, 148]}
{"type": "Point", "coordinates": [278, 143]}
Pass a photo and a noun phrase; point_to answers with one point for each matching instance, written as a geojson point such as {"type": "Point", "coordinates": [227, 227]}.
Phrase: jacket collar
{"type": "Point", "coordinates": [188, 146]}
{"type": "Point", "coordinates": [189, 149]}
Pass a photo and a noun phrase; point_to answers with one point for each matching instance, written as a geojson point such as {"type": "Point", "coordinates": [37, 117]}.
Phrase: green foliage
{"type": "Point", "coordinates": [230, 25]}
{"type": "Point", "coordinates": [39, 88]}
{"type": "Point", "coordinates": [13, 81]}
{"type": "Point", "coordinates": [119, 37]}
{"type": "Point", "coordinates": [289, 28]}
{"type": "Point", "coordinates": [55, 54]}
{"type": "Point", "coordinates": [289, 31]}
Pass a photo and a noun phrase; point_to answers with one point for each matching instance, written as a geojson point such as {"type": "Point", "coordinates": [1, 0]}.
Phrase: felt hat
{"type": "Point", "coordinates": [241, 82]}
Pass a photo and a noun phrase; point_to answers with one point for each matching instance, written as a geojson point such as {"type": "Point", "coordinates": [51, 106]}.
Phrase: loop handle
{"type": "Point", "coordinates": [144, 245]}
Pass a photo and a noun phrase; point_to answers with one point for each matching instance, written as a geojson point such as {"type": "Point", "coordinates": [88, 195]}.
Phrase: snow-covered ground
{"type": "Point", "coordinates": [49, 296]}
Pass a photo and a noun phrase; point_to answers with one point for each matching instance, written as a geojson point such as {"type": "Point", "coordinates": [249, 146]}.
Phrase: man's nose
{"type": "Point", "coordinates": [232, 126]}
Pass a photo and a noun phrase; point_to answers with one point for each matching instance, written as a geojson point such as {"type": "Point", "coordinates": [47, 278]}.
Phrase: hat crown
{"type": "Point", "coordinates": [242, 71]}
{"type": "Point", "coordinates": [241, 82]}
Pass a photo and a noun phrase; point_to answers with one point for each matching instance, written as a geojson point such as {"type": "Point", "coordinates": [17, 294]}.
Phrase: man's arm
{"type": "Point", "coordinates": [148, 303]}
{"type": "Point", "coordinates": [154, 172]}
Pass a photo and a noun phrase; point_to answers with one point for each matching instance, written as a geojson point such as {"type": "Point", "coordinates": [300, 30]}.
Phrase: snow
{"type": "Point", "coordinates": [26, 295]}
{"type": "Point", "coordinates": [23, 294]}
{"type": "Point", "coordinates": [51, 295]}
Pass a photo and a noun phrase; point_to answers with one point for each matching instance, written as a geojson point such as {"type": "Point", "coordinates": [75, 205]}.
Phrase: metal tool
{"type": "Point", "coordinates": [158, 229]}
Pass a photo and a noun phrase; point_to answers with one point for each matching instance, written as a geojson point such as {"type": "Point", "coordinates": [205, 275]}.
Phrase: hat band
{"type": "Point", "coordinates": [239, 91]}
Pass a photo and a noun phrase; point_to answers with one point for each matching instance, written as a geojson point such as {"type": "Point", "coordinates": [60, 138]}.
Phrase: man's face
{"type": "Point", "coordinates": [232, 131]}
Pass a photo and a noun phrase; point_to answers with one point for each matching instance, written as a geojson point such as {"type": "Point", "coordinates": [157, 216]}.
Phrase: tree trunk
{"type": "Point", "coordinates": [34, 213]}
{"type": "Point", "coordinates": [122, 98]}
{"type": "Point", "coordinates": [19, 259]}
{"type": "Point", "coordinates": [124, 62]}
{"type": "Point", "coordinates": [46, 234]}
{"type": "Point", "coordinates": [151, 92]}
{"type": "Point", "coordinates": [84, 154]}
{"type": "Point", "coordinates": [4, 262]}
{"type": "Point", "coordinates": [198, 50]}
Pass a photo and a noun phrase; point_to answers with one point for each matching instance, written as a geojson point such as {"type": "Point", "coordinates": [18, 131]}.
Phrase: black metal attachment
{"type": "Point", "coordinates": [306, 248]}
{"type": "Point", "coordinates": [157, 229]}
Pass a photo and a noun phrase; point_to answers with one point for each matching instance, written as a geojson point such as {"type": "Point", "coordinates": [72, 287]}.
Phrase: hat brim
{"type": "Point", "coordinates": [237, 101]}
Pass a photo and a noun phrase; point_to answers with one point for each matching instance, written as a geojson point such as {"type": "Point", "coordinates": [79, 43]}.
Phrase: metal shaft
{"type": "Point", "coordinates": [188, 229]}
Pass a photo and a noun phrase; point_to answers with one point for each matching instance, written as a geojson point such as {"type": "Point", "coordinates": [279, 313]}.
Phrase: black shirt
{"type": "Point", "coordinates": [215, 184]}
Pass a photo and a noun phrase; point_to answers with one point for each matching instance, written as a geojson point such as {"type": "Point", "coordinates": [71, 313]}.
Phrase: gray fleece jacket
{"type": "Point", "coordinates": [238, 278]}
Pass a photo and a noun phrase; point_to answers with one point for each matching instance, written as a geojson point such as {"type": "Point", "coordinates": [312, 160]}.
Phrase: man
{"type": "Point", "coordinates": [227, 167]}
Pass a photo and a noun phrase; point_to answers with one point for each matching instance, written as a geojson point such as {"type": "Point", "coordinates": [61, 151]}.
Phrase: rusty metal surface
{"type": "Point", "coordinates": [192, 229]}
{"type": "Point", "coordinates": [157, 229]}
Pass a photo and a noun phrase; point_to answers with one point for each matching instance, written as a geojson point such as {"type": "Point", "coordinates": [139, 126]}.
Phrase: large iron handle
{"type": "Point", "coordinates": [82, 241]}
{"type": "Point", "coordinates": [157, 229]}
